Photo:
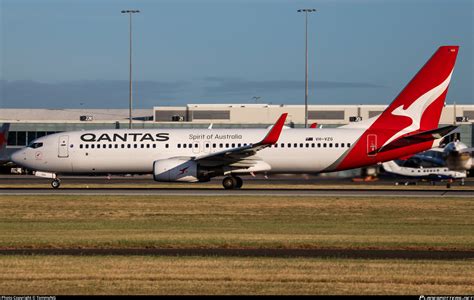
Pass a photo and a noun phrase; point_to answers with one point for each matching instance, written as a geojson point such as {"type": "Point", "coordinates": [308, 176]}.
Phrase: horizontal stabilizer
{"type": "Point", "coordinates": [416, 138]}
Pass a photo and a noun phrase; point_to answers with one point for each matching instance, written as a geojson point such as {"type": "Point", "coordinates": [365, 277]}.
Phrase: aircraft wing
{"type": "Point", "coordinates": [417, 137]}
{"type": "Point", "coordinates": [240, 156]}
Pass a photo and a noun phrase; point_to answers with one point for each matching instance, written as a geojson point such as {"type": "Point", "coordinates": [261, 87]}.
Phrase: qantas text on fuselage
{"type": "Point", "coordinates": [125, 137]}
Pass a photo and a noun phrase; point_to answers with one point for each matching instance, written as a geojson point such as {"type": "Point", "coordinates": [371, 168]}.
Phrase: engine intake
{"type": "Point", "coordinates": [175, 169]}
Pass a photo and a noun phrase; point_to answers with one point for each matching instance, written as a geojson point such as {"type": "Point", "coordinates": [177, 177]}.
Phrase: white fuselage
{"type": "Point", "coordinates": [134, 151]}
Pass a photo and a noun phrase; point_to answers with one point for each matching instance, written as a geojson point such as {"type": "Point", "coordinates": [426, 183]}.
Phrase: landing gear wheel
{"type": "Point", "coordinates": [229, 183]}
{"type": "Point", "coordinates": [239, 181]}
{"type": "Point", "coordinates": [55, 183]}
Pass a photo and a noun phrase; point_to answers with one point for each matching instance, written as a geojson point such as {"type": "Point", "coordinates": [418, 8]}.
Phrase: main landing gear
{"type": "Point", "coordinates": [56, 183]}
{"type": "Point", "coordinates": [232, 182]}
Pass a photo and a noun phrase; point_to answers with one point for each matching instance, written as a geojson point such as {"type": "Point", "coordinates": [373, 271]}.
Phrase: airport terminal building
{"type": "Point", "coordinates": [28, 124]}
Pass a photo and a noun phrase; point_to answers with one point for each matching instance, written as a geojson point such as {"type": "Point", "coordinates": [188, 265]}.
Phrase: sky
{"type": "Point", "coordinates": [75, 54]}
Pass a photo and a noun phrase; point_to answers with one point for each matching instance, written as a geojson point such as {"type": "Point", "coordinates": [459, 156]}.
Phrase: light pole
{"type": "Point", "coordinates": [130, 12]}
{"type": "Point", "coordinates": [306, 11]}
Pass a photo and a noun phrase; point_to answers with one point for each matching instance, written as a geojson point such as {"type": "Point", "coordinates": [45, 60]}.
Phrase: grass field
{"type": "Point", "coordinates": [233, 222]}
{"type": "Point", "coordinates": [198, 275]}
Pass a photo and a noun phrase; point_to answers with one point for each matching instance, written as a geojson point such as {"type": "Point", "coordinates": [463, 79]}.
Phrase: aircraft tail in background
{"type": "Point", "coordinates": [4, 136]}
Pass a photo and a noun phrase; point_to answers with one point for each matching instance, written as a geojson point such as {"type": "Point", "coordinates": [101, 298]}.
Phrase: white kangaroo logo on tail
{"type": "Point", "coordinates": [416, 110]}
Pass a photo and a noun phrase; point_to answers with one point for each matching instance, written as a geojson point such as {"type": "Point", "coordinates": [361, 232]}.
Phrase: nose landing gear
{"type": "Point", "coordinates": [232, 182]}
{"type": "Point", "coordinates": [56, 183]}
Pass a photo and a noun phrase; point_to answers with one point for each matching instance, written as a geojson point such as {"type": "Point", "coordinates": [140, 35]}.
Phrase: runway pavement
{"type": "Point", "coordinates": [274, 186]}
{"type": "Point", "coordinates": [314, 253]}
{"type": "Point", "coordinates": [302, 179]}
{"type": "Point", "coordinates": [242, 192]}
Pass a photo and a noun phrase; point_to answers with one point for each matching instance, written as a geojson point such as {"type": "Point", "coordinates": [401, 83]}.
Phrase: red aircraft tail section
{"type": "Point", "coordinates": [420, 103]}
{"type": "Point", "coordinates": [415, 110]}
{"type": "Point", "coordinates": [4, 136]}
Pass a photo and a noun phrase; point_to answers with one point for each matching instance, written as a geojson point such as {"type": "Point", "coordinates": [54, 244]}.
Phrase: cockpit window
{"type": "Point", "coordinates": [36, 145]}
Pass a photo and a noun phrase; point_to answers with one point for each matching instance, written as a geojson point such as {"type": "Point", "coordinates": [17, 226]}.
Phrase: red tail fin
{"type": "Point", "coordinates": [416, 109]}
{"type": "Point", "coordinates": [4, 136]}
{"type": "Point", "coordinates": [420, 103]}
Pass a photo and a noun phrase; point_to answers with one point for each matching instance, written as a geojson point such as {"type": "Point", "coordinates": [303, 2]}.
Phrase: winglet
{"type": "Point", "coordinates": [274, 133]}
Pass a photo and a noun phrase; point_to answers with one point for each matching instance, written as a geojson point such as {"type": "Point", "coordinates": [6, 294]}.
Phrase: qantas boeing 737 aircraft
{"type": "Point", "coordinates": [408, 126]}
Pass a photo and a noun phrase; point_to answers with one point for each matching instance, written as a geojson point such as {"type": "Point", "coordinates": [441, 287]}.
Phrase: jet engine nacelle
{"type": "Point", "coordinates": [175, 169]}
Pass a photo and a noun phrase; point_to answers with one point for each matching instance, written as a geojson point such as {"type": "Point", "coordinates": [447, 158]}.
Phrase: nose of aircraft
{"type": "Point", "coordinates": [18, 156]}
